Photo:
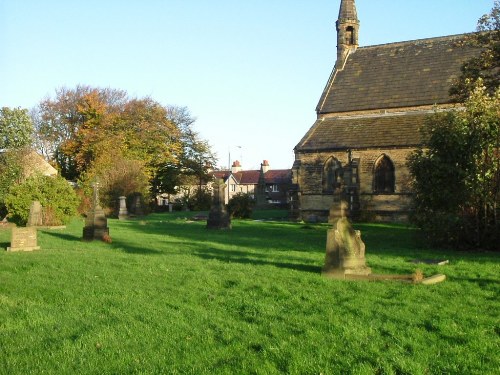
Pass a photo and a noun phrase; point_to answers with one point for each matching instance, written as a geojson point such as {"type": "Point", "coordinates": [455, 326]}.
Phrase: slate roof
{"type": "Point", "coordinates": [342, 133]}
{"type": "Point", "coordinates": [251, 177]}
{"type": "Point", "coordinates": [396, 75]}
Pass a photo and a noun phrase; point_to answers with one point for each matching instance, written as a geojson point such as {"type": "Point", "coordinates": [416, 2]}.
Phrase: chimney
{"type": "Point", "coordinates": [236, 167]}
{"type": "Point", "coordinates": [265, 166]}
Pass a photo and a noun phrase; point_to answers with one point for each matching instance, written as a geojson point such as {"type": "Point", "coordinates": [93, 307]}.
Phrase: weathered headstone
{"type": "Point", "coordinates": [24, 239]}
{"type": "Point", "coordinates": [137, 205]}
{"type": "Point", "coordinates": [218, 217]}
{"type": "Point", "coordinates": [35, 218]}
{"type": "Point", "coordinates": [122, 211]}
{"type": "Point", "coordinates": [96, 224]}
{"type": "Point", "coordinates": [345, 251]}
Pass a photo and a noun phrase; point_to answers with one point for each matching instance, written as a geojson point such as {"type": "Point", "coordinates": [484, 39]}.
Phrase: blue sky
{"type": "Point", "coordinates": [251, 72]}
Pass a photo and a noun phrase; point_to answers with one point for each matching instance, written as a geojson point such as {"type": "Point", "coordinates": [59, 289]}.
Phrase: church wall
{"type": "Point", "coordinates": [377, 207]}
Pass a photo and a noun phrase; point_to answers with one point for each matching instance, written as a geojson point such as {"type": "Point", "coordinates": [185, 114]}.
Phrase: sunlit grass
{"type": "Point", "coordinates": [169, 296]}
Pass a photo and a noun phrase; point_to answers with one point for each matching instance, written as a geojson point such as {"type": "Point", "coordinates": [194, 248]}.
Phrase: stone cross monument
{"type": "Point", "coordinates": [218, 217]}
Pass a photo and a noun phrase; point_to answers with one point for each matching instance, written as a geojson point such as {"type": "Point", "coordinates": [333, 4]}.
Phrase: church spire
{"type": "Point", "coordinates": [347, 31]}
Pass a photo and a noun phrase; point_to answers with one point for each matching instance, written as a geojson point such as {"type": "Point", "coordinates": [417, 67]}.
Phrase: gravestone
{"type": "Point", "coordinates": [122, 211]}
{"type": "Point", "coordinates": [137, 207]}
{"type": "Point", "coordinates": [35, 218]}
{"type": "Point", "coordinates": [218, 217]}
{"type": "Point", "coordinates": [24, 239]}
{"type": "Point", "coordinates": [345, 251]}
{"type": "Point", "coordinates": [96, 224]}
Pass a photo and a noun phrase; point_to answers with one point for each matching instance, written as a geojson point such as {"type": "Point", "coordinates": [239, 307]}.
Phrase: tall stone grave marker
{"type": "Point", "coordinates": [35, 218]}
{"type": "Point", "coordinates": [218, 217]}
{"type": "Point", "coordinates": [96, 224]}
{"type": "Point", "coordinates": [137, 205]}
{"type": "Point", "coordinates": [345, 251]}
{"type": "Point", "coordinates": [122, 212]}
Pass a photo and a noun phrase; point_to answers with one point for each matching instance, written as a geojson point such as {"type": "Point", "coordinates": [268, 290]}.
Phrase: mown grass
{"type": "Point", "coordinates": [168, 296]}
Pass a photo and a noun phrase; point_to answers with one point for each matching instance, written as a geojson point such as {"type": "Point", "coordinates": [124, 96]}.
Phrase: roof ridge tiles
{"type": "Point", "coordinates": [414, 41]}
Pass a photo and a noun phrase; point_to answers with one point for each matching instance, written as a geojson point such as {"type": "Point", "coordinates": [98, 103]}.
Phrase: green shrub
{"type": "Point", "coordinates": [56, 196]}
{"type": "Point", "coordinates": [240, 206]}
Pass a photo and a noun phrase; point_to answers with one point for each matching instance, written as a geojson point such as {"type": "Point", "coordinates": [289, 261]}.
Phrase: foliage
{"type": "Point", "coordinates": [81, 125]}
{"type": "Point", "coordinates": [169, 297]}
{"type": "Point", "coordinates": [201, 200]}
{"type": "Point", "coordinates": [117, 176]}
{"type": "Point", "coordinates": [193, 197]}
{"type": "Point", "coordinates": [457, 175]}
{"type": "Point", "coordinates": [195, 158]}
{"type": "Point", "coordinates": [54, 194]}
{"type": "Point", "coordinates": [486, 66]}
{"type": "Point", "coordinates": [11, 172]}
{"type": "Point", "coordinates": [240, 206]}
{"type": "Point", "coordinates": [16, 128]}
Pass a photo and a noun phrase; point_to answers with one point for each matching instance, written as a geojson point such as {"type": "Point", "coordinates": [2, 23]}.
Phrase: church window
{"type": "Point", "coordinates": [331, 175]}
{"type": "Point", "coordinates": [384, 179]}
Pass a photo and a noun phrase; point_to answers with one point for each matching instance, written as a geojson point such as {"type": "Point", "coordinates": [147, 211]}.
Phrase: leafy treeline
{"type": "Point", "coordinates": [89, 131]}
{"type": "Point", "coordinates": [131, 145]}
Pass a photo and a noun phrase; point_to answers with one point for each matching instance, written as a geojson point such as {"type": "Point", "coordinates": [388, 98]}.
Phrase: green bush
{"type": "Point", "coordinates": [56, 196]}
{"type": "Point", "coordinates": [240, 206]}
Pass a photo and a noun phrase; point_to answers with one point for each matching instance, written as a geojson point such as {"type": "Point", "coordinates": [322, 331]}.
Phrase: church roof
{"type": "Point", "coordinates": [396, 75]}
{"type": "Point", "coordinates": [342, 133]}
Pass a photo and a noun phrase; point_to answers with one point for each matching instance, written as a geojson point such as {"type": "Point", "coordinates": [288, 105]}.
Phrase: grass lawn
{"type": "Point", "coordinates": [168, 296]}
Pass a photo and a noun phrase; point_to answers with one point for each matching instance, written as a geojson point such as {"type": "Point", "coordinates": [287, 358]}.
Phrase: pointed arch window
{"type": "Point", "coordinates": [384, 176]}
{"type": "Point", "coordinates": [332, 171]}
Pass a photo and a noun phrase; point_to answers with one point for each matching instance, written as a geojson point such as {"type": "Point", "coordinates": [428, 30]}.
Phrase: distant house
{"type": "Point", "coordinates": [275, 183]}
{"type": "Point", "coordinates": [267, 186]}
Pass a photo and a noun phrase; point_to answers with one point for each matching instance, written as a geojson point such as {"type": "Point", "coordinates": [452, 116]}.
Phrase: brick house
{"type": "Point", "coordinates": [368, 120]}
{"type": "Point", "coordinates": [274, 184]}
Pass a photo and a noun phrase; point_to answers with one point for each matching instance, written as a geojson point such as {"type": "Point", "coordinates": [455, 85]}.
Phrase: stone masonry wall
{"type": "Point", "coordinates": [376, 206]}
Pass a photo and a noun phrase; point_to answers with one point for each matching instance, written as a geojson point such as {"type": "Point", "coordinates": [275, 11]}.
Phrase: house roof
{"type": "Point", "coordinates": [341, 133]}
{"type": "Point", "coordinates": [278, 176]}
{"type": "Point", "coordinates": [251, 177]}
{"type": "Point", "coordinates": [396, 75]}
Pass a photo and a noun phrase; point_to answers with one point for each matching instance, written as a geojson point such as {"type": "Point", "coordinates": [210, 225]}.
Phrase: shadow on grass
{"type": "Point", "coordinates": [64, 236]}
{"type": "Point", "coordinates": [4, 245]}
{"type": "Point", "coordinates": [242, 257]}
{"type": "Point", "coordinates": [118, 245]}
{"type": "Point", "coordinates": [129, 249]}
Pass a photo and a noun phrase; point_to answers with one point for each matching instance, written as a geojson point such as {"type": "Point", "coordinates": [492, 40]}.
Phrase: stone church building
{"type": "Point", "coordinates": [368, 120]}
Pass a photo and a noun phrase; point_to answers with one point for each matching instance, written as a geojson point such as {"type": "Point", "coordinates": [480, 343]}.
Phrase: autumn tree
{"type": "Point", "coordinates": [60, 123]}
{"type": "Point", "coordinates": [80, 127]}
{"type": "Point", "coordinates": [196, 157]}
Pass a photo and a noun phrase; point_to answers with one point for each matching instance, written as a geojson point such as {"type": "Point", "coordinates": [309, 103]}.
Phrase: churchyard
{"type": "Point", "coordinates": [169, 296]}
